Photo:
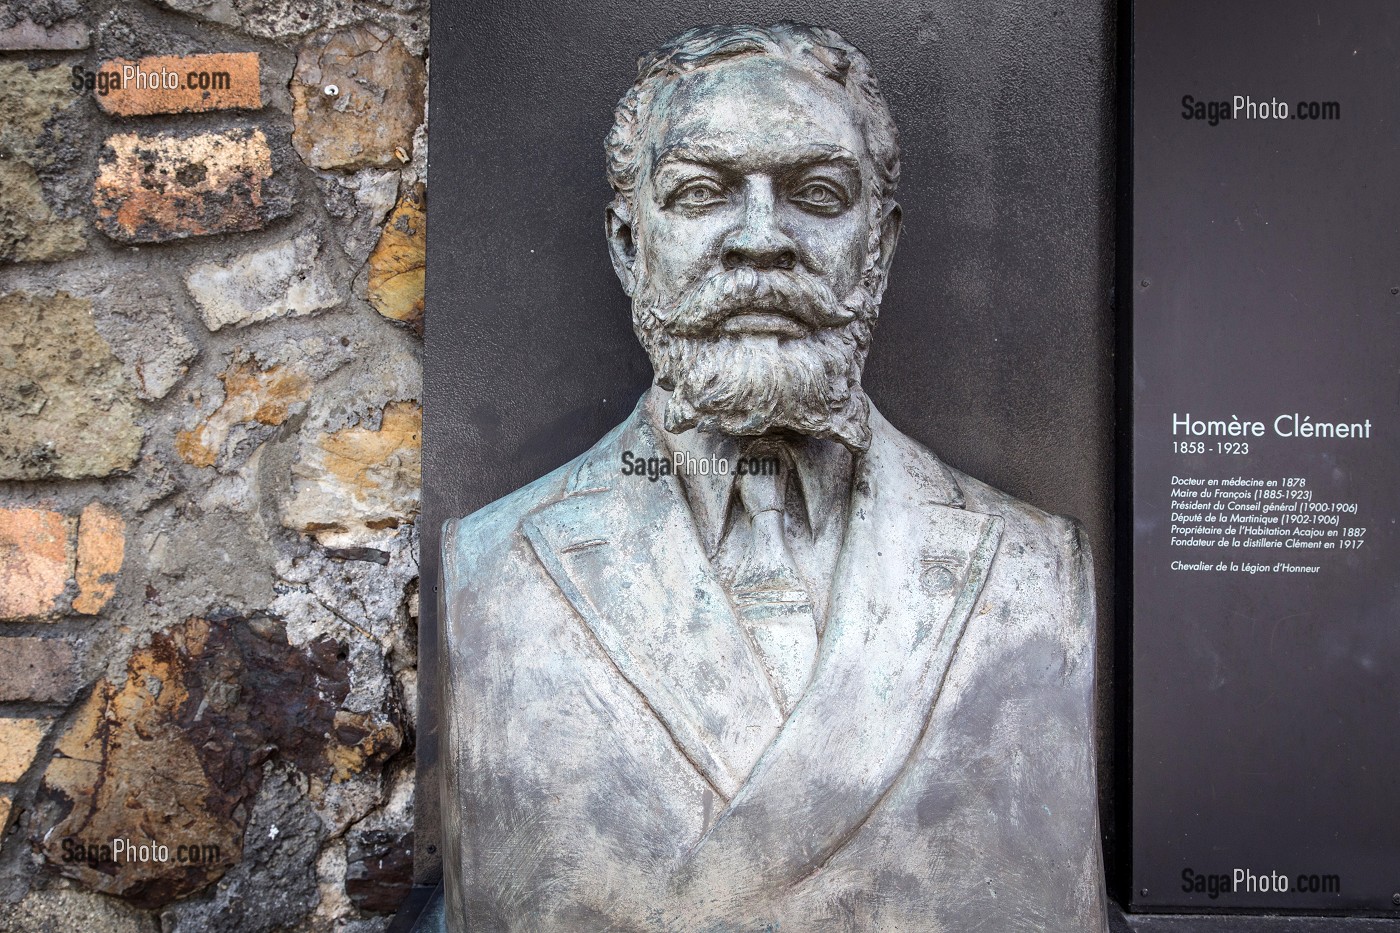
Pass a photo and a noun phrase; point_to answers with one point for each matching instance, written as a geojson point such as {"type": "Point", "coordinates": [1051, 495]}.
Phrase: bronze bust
{"type": "Point", "coordinates": [757, 660]}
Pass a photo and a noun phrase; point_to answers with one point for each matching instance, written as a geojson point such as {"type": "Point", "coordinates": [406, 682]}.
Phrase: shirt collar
{"type": "Point", "coordinates": [823, 472]}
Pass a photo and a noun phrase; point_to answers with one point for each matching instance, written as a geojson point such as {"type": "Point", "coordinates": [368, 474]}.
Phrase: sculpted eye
{"type": "Point", "coordinates": [819, 196]}
{"type": "Point", "coordinates": [699, 194]}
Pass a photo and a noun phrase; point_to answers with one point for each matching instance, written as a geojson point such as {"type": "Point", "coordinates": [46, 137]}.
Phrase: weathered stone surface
{"type": "Point", "coordinates": [125, 770]}
{"type": "Point", "coordinates": [175, 755]}
{"type": "Point", "coordinates": [42, 12]}
{"type": "Point", "coordinates": [320, 590]}
{"type": "Point", "coordinates": [214, 556]}
{"type": "Point", "coordinates": [66, 408]}
{"type": "Point", "coordinates": [359, 596]}
{"type": "Point", "coordinates": [43, 670]}
{"type": "Point", "coordinates": [29, 102]}
{"type": "Point", "coordinates": [101, 550]}
{"type": "Point", "coordinates": [379, 872]}
{"type": "Point", "coordinates": [36, 560]}
{"type": "Point", "coordinates": [162, 540]}
{"type": "Point", "coordinates": [19, 740]}
{"type": "Point", "coordinates": [379, 105]}
{"type": "Point", "coordinates": [252, 395]}
{"type": "Point", "coordinates": [359, 203]}
{"type": "Point", "coordinates": [397, 264]}
{"type": "Point", "coordinates": [330, 875]}
{"type": "Point", "coordinates": [217, 11]}
{"type": "Point", "coordinates": [137, 317]}
{"type": "Point", "coordinates": [65, 910]}
{"type": "Point", "coordinates": [217, 81]}
{"type": "Point", "coordinates": [25, 35]}
{"type": "Point", "coordinates": [274, 886]}
{"type": "Point", "coordinates": [288, 279]}
{"type": "Point", "coordinates": [285, 19]}
{"type": "Point", "coordinates": [378, 844]}
{"type": "Point", "coordinates": [361, 738]}
{"type": "Point", "coordinates": [151, 189]}
{"type": "Point", "coordinates": [353, 487]}
{"type": "Point", "coordinates": [29, 231]}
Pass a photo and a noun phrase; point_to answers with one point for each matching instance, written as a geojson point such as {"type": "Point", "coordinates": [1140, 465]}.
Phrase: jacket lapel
{"type": "Point", "coordinates": [911, 569]}
{"type": "Point", "coordinates": [625, 553]}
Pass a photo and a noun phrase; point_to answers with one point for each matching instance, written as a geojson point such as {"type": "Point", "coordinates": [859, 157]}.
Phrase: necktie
{"type": "Point", "coordinates": [772, 600]}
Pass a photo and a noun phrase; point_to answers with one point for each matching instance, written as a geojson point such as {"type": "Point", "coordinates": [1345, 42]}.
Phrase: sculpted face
{"type": "Point", "coordinates": [755, 250]}
{"type": "Point", "coordinates": [754, 163]}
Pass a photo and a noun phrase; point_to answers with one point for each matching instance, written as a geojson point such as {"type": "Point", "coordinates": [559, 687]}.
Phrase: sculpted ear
{"type": "Point", "coordinates": [889, 239]}
{"type": "Point", "coordinates": [622, 245]}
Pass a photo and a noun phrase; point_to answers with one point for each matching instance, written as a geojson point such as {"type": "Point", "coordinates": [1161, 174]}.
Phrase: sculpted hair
{"type": "Point", "coordinates": [814, 48]}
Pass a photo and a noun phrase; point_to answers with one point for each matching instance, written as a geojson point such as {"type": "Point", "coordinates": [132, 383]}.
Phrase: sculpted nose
{"type": "Point", "coordinates": [759, 241]}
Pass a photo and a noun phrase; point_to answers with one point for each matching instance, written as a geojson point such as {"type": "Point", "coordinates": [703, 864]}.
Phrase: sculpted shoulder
{"type": "Point", "coordinates": [472, 545]}
{"type": "Point", "coordinates": [1022, 519]}
{"type": "Point", "coordinates": [1034, 543]}
{"type": "Point", "coordinates": [488, 577]}
{"type": "Point", "coordinates": [490, 528]}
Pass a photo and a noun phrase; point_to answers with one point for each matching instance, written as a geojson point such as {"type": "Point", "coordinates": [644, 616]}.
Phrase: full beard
{"type": "Point", "coordinates": [752, 384]}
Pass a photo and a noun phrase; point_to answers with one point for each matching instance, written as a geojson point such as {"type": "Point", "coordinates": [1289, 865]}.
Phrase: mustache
{"type": "Point", "coordinates": [745, 290]}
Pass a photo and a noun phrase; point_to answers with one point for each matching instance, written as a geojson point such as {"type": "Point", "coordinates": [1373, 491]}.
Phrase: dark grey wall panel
{"type": "Point", "coordinates": [1266, 276]}
{"type": "Point", "coordinates": [995, 340]}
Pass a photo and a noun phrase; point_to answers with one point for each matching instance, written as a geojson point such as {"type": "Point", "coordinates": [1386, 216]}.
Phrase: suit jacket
{"type": "Point", "coordinates": [616, 759]}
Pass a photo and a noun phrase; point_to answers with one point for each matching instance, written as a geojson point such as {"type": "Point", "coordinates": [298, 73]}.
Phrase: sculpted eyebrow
{"type": "Point", "coordinates": [710, 154]}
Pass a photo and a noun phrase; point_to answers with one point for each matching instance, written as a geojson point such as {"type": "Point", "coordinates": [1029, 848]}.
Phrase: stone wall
{"type": "Point", "coordinates": [210, 316]}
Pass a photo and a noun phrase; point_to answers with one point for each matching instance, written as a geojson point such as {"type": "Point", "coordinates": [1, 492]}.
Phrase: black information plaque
{"type": "Point", "coordinates": [1266, 456]}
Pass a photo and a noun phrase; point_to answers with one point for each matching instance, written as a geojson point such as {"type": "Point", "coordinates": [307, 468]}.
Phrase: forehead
{"type": "Point", "coordinates": [754, 111]}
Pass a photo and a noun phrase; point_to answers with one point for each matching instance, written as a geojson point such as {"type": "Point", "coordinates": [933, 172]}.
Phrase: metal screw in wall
{"type": "Point", "coordinates": [331, 90]}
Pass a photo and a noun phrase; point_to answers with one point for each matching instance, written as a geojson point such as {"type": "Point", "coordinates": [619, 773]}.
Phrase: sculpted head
{"type": "Point", "coordinates": [753, 226]}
